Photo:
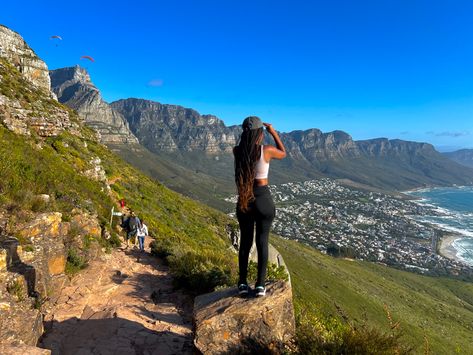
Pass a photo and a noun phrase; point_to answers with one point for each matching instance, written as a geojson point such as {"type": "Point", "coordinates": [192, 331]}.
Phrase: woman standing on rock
{"type": "Point", "coordinates": [255, 205]}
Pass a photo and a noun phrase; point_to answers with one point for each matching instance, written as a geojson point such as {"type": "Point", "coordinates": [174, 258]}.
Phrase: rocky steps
{"type": "Point", "coordinates": [123, 304]}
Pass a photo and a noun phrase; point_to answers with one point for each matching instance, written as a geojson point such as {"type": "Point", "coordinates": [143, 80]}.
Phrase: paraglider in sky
{"type": "Point", "coordinates": [88, 57]}
{"type": "Point", "coordinates": [56, 38]}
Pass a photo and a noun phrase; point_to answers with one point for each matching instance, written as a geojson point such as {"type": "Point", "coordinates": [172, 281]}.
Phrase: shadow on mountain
{"type": "Point", "coordinates": [112, 335]}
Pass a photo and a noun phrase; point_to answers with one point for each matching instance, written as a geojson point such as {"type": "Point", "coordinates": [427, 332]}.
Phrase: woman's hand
{"type": "Point", "coordinates": [269, 127]}
{"type": "Point", "coordinates": [278, 152]}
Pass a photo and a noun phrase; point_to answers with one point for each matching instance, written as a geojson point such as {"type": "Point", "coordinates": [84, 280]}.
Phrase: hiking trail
{"type": "Point", "coordinates": [123, 303]}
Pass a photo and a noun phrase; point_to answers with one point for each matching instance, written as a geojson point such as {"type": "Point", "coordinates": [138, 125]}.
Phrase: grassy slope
{"type": "Point", "coordinates": [439, 308]}
{"type": "Point", "coordinates": [197, 185]}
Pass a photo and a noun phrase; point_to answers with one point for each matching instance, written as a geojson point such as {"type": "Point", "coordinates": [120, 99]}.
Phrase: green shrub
{"type": "Point", "coordinates": [202, 272]}
{"type": "Point", "coordinates": [114, 240]}
{"type": "Point", "coordinates": [17, 289]}
{"type": "Point", "coordinates": [28, 248]}
{"type": "Point", "coordinates": [87, 241]}
{"type": "Point", "coordinates": [75, 262]}
{"type": "Point", "coordinates": [273, 272]}
{"type": "Point", "coordinates": [317, 334]}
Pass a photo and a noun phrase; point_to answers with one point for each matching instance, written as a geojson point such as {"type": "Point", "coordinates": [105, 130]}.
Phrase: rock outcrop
{"type": "Point", "coordinates": [32, 269]}
{"type": "Point", "coordinates": [26, 103]}
{"type": "Point", "coordinates": [74, 88]}
{"type": "Point", "coordinates": [14, 48]}
{"type": "Point", "coordinates": [228, 324]}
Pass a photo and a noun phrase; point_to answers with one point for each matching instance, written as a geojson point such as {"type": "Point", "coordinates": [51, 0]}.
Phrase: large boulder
{"type": "Point", "coordinates": [227, 324]}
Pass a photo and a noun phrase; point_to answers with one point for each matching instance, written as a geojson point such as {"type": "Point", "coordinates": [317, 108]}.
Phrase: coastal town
{"type": "Point", "coordinates": [346, 222]}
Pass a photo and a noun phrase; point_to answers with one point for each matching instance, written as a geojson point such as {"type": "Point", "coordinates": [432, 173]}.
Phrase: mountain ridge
{"type": "Point", "coordinates": [310, 152]}
{"type": "Point", "coordinates": [462, 156]}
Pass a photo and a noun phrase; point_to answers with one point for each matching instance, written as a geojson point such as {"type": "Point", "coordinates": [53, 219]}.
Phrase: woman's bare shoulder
{"type": "Point", "coordinates": [272, 152]}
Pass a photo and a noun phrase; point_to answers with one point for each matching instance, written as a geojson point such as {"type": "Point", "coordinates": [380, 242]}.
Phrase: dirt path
{"type": "Point", "coordinates": [124, 304]}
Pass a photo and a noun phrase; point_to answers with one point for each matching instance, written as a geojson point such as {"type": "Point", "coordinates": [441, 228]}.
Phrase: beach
{"type": "Point", "coordinates": [446, 248]}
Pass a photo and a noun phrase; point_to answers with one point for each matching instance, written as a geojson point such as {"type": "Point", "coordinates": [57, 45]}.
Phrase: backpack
{"type": "Point", "coordinates": [134, 224]}
{"type": "Point", "coordinates": [125, 223]}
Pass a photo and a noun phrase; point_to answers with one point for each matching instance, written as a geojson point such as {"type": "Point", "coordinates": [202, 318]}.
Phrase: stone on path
{"type": "Point", "coordinates": [227, 323]}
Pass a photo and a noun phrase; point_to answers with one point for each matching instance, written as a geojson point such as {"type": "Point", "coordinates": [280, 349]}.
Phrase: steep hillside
{"type": "Point", "coordinates": [463, 156]}
{"type": "Point", "coordinates": [433, 313]}
{"type": "Point", "coordinates": [195, 184]}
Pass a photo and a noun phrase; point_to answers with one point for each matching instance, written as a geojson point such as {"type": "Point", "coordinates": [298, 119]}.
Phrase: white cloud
{"type": "Point", "coordinates": [156, 82]}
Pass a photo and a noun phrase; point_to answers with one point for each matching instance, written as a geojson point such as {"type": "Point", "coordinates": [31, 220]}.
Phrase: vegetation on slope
{"type": "Point", "coordinates": [194, 183]}
{"type": "Point", "coordinates": [190, 236]}
{"type": "Point", "coordinates": [434, 313]}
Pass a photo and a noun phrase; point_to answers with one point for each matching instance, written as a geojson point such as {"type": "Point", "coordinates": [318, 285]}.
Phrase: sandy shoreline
{"type": "Point", "coordinates": [446, 249]}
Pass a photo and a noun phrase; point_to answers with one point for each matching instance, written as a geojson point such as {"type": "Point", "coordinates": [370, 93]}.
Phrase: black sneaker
{"type": "Point", "coordinates": [260, 291]}
{"type": "Point", "coordinates": [243, 289]}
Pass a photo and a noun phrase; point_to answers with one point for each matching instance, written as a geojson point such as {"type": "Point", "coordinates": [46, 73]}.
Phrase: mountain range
{"type": "Point", "coordinates": [462, 156]}
{"type": "Point", "coordinates": [202, 145]}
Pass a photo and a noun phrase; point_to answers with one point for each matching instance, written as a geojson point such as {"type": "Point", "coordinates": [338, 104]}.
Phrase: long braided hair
{"type": "Point", "coordinates": [247, 153]}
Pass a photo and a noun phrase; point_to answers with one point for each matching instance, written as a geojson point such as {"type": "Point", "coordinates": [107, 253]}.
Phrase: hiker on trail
{"type": "Point", "coordinates": [255, 206]}
{"type": "Point", "coordinates": [142, 234]}
{"type": "Point", "coordinates": [131, 224]}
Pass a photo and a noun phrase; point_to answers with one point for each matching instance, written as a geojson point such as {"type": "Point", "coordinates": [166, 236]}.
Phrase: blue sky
{"type": "Point", "coordinates": [392, 68]}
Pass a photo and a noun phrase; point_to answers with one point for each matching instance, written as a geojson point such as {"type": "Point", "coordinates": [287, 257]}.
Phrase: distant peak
{"type": "Point", "coordinates": [75, 74]}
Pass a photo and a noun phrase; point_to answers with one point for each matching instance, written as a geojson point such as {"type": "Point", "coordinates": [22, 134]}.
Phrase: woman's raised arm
{"type": "Point", "coordinates": [278, 152]}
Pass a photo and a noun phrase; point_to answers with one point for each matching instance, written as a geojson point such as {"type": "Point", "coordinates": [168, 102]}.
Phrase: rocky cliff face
{"type": "Point", "coordinates": [14, 49]}
{"type": "Point", "coordinates": [462, 156]}
{"type": "Point", "coordinates": [74, 88]}
{"type": "Point", "coordinates": [171, 128]}
{"type": "Point", "coordinates": [26, 103]}
{"type": "Point", "coordinates": [313, 145]}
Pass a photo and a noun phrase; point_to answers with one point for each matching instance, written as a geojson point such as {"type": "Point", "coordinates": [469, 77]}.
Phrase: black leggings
{"type": "Point", "coordinates": [261, 213]}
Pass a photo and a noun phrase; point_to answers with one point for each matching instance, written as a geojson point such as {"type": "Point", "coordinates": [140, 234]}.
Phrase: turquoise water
{"type": "Point", "coordinates": [455, 208]}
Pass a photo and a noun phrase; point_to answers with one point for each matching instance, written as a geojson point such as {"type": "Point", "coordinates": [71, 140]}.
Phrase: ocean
{"type": "Point", "coordinates": [455, 206]}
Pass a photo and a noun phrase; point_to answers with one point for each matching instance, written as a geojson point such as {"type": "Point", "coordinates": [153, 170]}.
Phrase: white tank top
{"type": "Point", "coordinates": [262, 167]}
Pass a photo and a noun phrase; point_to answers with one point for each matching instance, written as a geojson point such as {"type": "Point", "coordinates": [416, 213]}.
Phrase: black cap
{"type": "Point", "coordinates": [252, 122]}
